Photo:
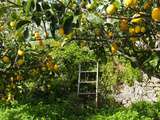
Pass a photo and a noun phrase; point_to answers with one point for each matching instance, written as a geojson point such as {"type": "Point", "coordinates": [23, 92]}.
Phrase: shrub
{"type": "Point", "coordinates": [116, 71]}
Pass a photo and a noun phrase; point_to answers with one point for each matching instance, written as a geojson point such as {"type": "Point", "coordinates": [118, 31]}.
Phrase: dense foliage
{"type": "Point", "coordinates": [67, 109]}
{"type": "Point", "coordinates": [42, 42]}
{"type": "Point", "coordinates": [117, 71]}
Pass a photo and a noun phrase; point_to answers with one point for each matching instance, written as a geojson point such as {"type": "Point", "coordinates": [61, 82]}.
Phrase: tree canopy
{"type": "Point", "coordinates": [109, 27]}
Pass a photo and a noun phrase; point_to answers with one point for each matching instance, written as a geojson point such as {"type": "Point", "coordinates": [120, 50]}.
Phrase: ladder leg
{"type": "Point", "coordinates": [97, 85]}
{"type": "Point", "coordinates": [79, 77]}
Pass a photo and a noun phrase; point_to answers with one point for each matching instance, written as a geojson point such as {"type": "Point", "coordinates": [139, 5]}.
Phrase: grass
{"type": "Point", "coordinates": [64, 104]}
{"type": "Point", "coordinates": [74, 108]}
{"type": "Point", "coordinates": [52, 109]}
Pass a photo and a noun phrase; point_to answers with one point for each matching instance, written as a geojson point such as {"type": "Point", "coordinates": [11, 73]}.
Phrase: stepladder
{"type": "Point", "coordinates": [88, 78]}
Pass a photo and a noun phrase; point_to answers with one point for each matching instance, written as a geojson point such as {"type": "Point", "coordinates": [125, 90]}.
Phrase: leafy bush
{"type": "Point", "coordinates": [116, 71]}
{"type": "Point", "coordinates": [40, 70]}
{"type": "Point", "coordinates": [69, 57]}
{"type": "Point", "coordinates": [146, 109]}
{"type": "Point", "coordinates": [72, 107]}
{"type": "Point", "coordinates": [138, 111]}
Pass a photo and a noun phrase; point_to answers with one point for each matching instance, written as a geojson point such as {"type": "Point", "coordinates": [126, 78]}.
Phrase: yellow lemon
{"type": "Point", "coordinates": [6, 59]}
{"type": "Point", "coordinates": [156, 14]}
{"type": "Point", "coordinates": [143, 29]}
{"type": "Point", "coordinates": [111, 9]}
{"type": "Point", "coordinates": [137, 29]}
{"type": "Point", "coordinates": [20, 62]}
{"type": "Point", "coordinates": [89, 6]}
{"type": "Point", "coordinates": [129, 3]}
{"type": "Point", "coordinates": [136, 18]}
{"type": "Point", "coordinates": [56, 67]}
{"type": "Point", "coordinates": [131, 30]}
{"type": "Point", "coordinates": [36, 35]}
{"type": "Point", "coordinates": [1, 28]}
{"type": "Point", "coordinates": [114, 48]}
{"type": "Point", "coordinates": [110, 34]}
{"type": "Point", "coordinates": [20, 52]}
{"type": "Point", "coordinates": [61, 31]}
{"type": "Point", "coordinates": [13, 24]}
{"type": "Point", "coordinates": [134, 2]}
{"type": "Point", "coordinates": [147, 4]}
{"type": "Point", "coordinates": [123, 25]}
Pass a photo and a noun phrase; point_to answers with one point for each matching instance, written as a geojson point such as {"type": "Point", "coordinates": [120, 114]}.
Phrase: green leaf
{"type": "Point", "coordinates": [68, 24]}
{"type": "Point", "coordinates": [154, 61]}
{"type": "Point", "coordinates": [21, 23]}
{"type": "Point", "coordinates": [91, 17]}
{"type": "Point", "coordinates": [36, 17]}
{"type": "Point", "coordinates": [14, 16]}
{"type": "Point", "coordinates": [45, 5]}
{"type": "Point", "coordinates": [28, 7]}
{"type": "Point", "coordinates": [117, 3]}
{"type": "Point", "coordinates": [18, 2]}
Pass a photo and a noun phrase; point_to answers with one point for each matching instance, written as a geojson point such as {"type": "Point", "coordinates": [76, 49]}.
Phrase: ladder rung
{"type": "Point", "coordinates": [87, 93]}
{"type": "Point", "coordinates": [87, 81]}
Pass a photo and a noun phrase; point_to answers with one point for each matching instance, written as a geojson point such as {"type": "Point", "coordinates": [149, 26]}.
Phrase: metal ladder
{"type": "Point", "coordinates": [80, 82]}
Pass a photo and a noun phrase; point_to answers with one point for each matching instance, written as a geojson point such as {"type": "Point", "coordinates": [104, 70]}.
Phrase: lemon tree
{"type": "Point", "coordinates": [126, 27]}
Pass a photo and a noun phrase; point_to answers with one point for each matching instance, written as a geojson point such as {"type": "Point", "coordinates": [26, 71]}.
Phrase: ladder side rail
{"type": "Point", "coordinates": [79, 78]}
{"type": "Point", "coordinates": [97, 84]}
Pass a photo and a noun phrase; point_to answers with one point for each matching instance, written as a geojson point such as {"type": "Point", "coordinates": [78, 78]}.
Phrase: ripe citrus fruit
{"type": "Point", "coordinates": [111, 9]}
{"type": "Point", "coordinates": [137, 29]}
{"type": "Point", "coordinates": [156, 14]}
{"type": "Point", "coordinates": [1, 28]}
{"type": "Point", "coordinates": [56, 67]}
{"type": "Point", "coordinates": [13, 24]}
{"type": "Point", "coordinates": [136, 18]}
{"type": "Point", "coordinates": [143, 29]}
{"type": "Point", "coordinates": [110, 34]}
{"type": "Point", "coordinates": [131, 30]}
{"type": "Point", "coordinates": [36, 35]}
{"type": "Point", "coordinates": [20, 62]}
{"type": "Point", "coordinates": [147, 4]}
{"type": "Point", "coordinates": [123, 25]}
{"type": "Point", "coordinates": [6, 59]}
{"type": "Point", "coordinates": [89, 6]}
{"type": "Point", "coordinates": [129, 3]}
{"type": "Point", "coordinates": [134, 2]}
{"type": "Point", "coordinates": [114, 48]}
{"type": "Point", "coordinates": [20, 52]}
{"type": "Point", "coordinates": [61, 31]}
